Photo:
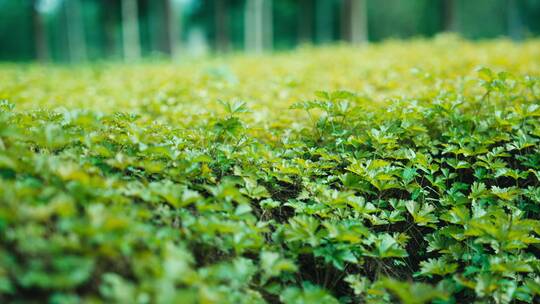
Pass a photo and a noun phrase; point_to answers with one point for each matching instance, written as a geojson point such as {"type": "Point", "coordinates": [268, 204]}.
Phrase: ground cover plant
{"type": "Point", "coordinates": [399, 172]}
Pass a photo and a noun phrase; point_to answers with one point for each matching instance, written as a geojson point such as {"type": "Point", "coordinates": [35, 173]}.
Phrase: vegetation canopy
{"type": "Point", "coordinates": [396, 172]}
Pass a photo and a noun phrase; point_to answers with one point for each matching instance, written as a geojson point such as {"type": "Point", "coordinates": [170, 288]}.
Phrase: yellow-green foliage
{"type": "Point", "coordinates": [401, 171]}
{"type": "Point", "coordinates": [268, 84]}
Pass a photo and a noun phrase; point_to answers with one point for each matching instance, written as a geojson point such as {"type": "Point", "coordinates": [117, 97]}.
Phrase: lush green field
{"type": "Point", "coordinates": [403, 171]}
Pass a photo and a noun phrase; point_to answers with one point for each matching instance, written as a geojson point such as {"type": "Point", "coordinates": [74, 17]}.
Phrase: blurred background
{"type": "Point", "coordinates": [74, 31]}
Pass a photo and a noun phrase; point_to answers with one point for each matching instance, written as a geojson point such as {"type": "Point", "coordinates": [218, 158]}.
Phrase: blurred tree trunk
{"type": "Point", "coordinates": [108, 15]}
{"type": "Point", "coordinates": [359, 25]}
{"type": "Point", "coordinates": [222, 23]}
{"type": "Point", "coordinates": [75, 31]}
{"type": "Point", "coordinates": [305, 21]}
{"type": "Point", "coordinates": [449, 15]}
{"type": "Point", "coordinates": [324, 20]}
{"type": "Point", "coordinates": [41, 41]}
{"type": "Point", "coordinates": [345, 20]}
{"type": "Point", "coordinates": [130, 30]}
{"type": "Point", "coordinates": [268, 31]}
{"type": "Point", "coordinates": [176, 27]}
{"type": "Point", "coordinates": [354, 21]}
{"type": "Point", "coordinates": [170, 28]}
{"type": "Point", "coordinates": [514, 21]}
{"type": "Point", "coordinates": [258, 25]}
{"type": "Point", "coordinates": [251, 27]}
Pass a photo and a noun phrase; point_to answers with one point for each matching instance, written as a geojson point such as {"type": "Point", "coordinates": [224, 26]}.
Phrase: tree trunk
{"type": "Point", "coordinates": [41, 41]}
{"type": "Point", "coordinates": [345, 20]}
{"type": "Point", "coordinates": [258, 25]}
{"type": "Point", "coordinates": [222, 23]}
{"type": "Point", "coordinates": [170, 39]}
{"type": "Point", "coordinates": [449, 14]}
{"type": "Point", "coordinates": [268, 31]}
{"type": "Point", "coordinates": [305, 21]}
{"type": "Point", "coordinates": [108, 10]}
{"type": "Point", "coordinates": [130, 30]}
{"type": "Point", "coordinates": [253, 26]}
{"type": "Point", "coordinates": [354, 21]}
{"type": "Point", "coordinates": [358, 22]}
{"type": "Point", "coordinates": [75, 31]}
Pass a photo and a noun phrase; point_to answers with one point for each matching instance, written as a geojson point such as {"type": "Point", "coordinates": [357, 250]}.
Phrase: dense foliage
{"type": "Point", "coordinates": [402, 171]}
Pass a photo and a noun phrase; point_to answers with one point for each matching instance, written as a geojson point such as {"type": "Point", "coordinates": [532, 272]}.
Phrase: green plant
{"type": "Point", "coordinates": [135, 184]}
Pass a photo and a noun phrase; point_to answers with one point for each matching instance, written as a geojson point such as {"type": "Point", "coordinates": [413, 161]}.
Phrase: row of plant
{"type": "Point", "coordinates": [344, 196]}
